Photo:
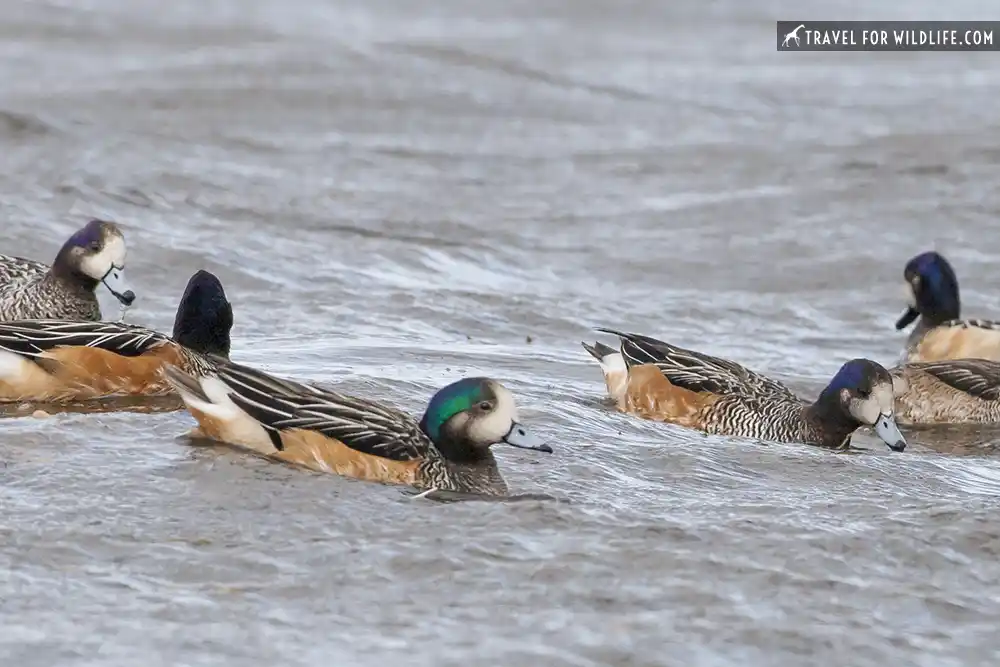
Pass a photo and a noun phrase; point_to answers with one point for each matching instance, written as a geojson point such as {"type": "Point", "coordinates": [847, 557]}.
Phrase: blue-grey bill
{"type": "Point", "coordinates": [886, 429]}
{"type": "Point", "coordinates": [520, 436]}
{"type": "Point", "coordinates": [114, 280]}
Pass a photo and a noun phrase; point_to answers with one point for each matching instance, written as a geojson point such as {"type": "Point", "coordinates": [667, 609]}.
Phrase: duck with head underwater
{"type": "Point", "coordinates": [59, 361]}
{"type": "Point", "coordinates": [92, 256]}
{"type": "Point", "coordinates": [934, 304]}
{"type": "Point", "coordinates": [655, 380]}
{"type": "Point", "coordinates": [448, 449]}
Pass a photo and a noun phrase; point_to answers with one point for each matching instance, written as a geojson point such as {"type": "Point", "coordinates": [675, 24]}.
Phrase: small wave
{"type": "Point", "coordinates": [17, 126]}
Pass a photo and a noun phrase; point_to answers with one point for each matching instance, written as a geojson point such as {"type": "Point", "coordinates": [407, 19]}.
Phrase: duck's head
{"type": "Point", "coordinates": [96, 254]}
{"type": "Point", "coordinates": [932, 290]}
{"type": "Point", "coordinates": [205, 316]}
{"type": "Point", "coordinates": [469, 416]}
{"type": "Point", "coordinates": [861, 392]}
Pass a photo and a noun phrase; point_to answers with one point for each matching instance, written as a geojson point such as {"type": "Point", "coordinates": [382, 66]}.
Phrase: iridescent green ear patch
{"type": "Point", "coordinates": [449, 401]}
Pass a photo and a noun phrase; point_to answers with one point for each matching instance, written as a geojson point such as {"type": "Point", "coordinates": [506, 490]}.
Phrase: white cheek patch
{"type": "Point", "coordinates": [908, 295]}
{"type": "Point", "coordinates": [111, 255]}
{"type": "Point", "coordinates": [493, 427]}
{"type": "Point", "coordinates": [884, 397]}
{"type": "Point", "coordinates": [865, 411]}
{"type": "Point", "coordinates": [880, 402]}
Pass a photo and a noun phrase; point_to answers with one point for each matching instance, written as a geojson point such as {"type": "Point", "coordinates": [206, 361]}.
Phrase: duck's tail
{"type": "Point", "coordinates": [188, 386]}
{"type": "Point", "coordinates": [612, 365]}
{"type": "Point", "coordinates": [209, 400]}
{"type": "Point", "coordinates": [599, 350]}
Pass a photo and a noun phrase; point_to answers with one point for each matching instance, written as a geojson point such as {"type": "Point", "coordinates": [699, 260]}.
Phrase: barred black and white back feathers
{"type": "Point", "coordinates": [696, 371]}
{"type": "Point", "coordinates": [990, 325]}
{"type": "Point", "coordinates": [31, 338]}
{"type": "Point", "coordinates": [279, 404]}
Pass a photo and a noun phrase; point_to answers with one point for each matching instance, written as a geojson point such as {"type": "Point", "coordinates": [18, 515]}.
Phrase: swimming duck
{"type": "Point", "coordinates": [932, 288]}
{"type": "Point", "coordinates": [65, 290]}
{"type": "Point", "coordinates": [447, 450]}
{"type": "Point", "coordinates": [58, 361]}
{"type": "Point", "coordinates": [655, 380]}
{"type": "Point", "coordinates": [951, 391]}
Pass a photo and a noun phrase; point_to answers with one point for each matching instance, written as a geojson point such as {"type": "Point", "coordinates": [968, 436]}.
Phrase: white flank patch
{"type": "Point", "coordinates": [13, 367]}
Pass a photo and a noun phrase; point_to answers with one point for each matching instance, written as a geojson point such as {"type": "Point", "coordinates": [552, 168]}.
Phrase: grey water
{"type": "Point", "coordinates": [397, 194]}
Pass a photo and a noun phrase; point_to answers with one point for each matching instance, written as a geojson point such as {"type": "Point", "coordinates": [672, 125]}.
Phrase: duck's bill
{"type": "Point", "coordinates": [114, 280]}
{"type": "Point", "coordinates": [520, 436]}
{"type": "Point", "coordinates": [888, 432]}
{"type": "Point", "coordinates": [907, 318]}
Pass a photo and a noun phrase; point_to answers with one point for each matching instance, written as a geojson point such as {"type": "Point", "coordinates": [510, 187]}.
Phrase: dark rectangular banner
{"type": "Point", "coordinates": [889, 35]}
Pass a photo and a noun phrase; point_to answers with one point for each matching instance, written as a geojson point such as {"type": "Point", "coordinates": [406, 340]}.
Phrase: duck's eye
{"type": "Point", "coordinates": [95, 246]}
{"type": "Point", "coordinates": [864, 393]}
{"type": "Point", "coordinates": [485, 406]}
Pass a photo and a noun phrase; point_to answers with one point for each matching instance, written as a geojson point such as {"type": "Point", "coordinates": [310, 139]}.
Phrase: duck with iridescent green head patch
{"type": "Point", "coordinates": [303, 424]}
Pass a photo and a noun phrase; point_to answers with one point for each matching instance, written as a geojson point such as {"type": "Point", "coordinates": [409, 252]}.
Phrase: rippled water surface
{"type": "Point", "coordinates": [397, 194]}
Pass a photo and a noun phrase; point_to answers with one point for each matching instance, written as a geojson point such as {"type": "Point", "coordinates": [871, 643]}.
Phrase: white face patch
{"type": "Point", "coordinates": [868, 410]}
{"type": "Point", "coordinates": [491, 428]}
{"type": "Point", "coordinates": [884, 397]}
{"type": "Point", "coordinates": [111, 256]}
{"type": "Point", "coordinates": [908, 295]}
{"type": "Point", "coordinates": [108, 266]}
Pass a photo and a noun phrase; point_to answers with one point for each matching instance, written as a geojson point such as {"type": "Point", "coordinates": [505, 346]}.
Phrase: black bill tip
{"type": "Point", "coordinates": [125, 298]}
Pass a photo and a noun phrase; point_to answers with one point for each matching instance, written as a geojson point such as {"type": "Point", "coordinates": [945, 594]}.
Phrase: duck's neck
{"type": "Point", "coordinates": [941, 312]}
{"type": "Point", "coordinates": [70, 282]}
{"type": "Point", "coordinates": [60, 273]}
{"type": "Point", "coordinates": [481, 477]}
{"type": "Point", "coordinates": [206, 335]}
{"type": "Point", "coordinates": [457, 451]}
{"type": "Point", "coordinates": [924, 324]}
{"type": "Point", "coordinates": [463, 468]}
{"type": "Point", "coordinates": [828, 424]}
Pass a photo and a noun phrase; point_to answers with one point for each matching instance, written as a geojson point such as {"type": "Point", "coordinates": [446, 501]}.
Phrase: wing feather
{"type": "Point", "coordinates": [696, 371]}
{"type": "Point", "coordinates": [976, 377]}
{"type": "Point", "coordinates": [365, 426]}
{"type": "Point", "coordinates": [32, 338]}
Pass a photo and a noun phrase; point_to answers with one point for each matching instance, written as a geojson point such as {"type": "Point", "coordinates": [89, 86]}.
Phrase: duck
{"type": "Point", "coordinates": [60, 361]}
{"type": "Point", "coordinates": [951, 391]}
{"type": "Point", "coordinates": [934, 304]}
{"type": "Point", "coordinates": [448, 449]}
{"type": "Point", "coordinates": [655, 380]}
{"type": "Point", "coordinates": [93, 255]}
